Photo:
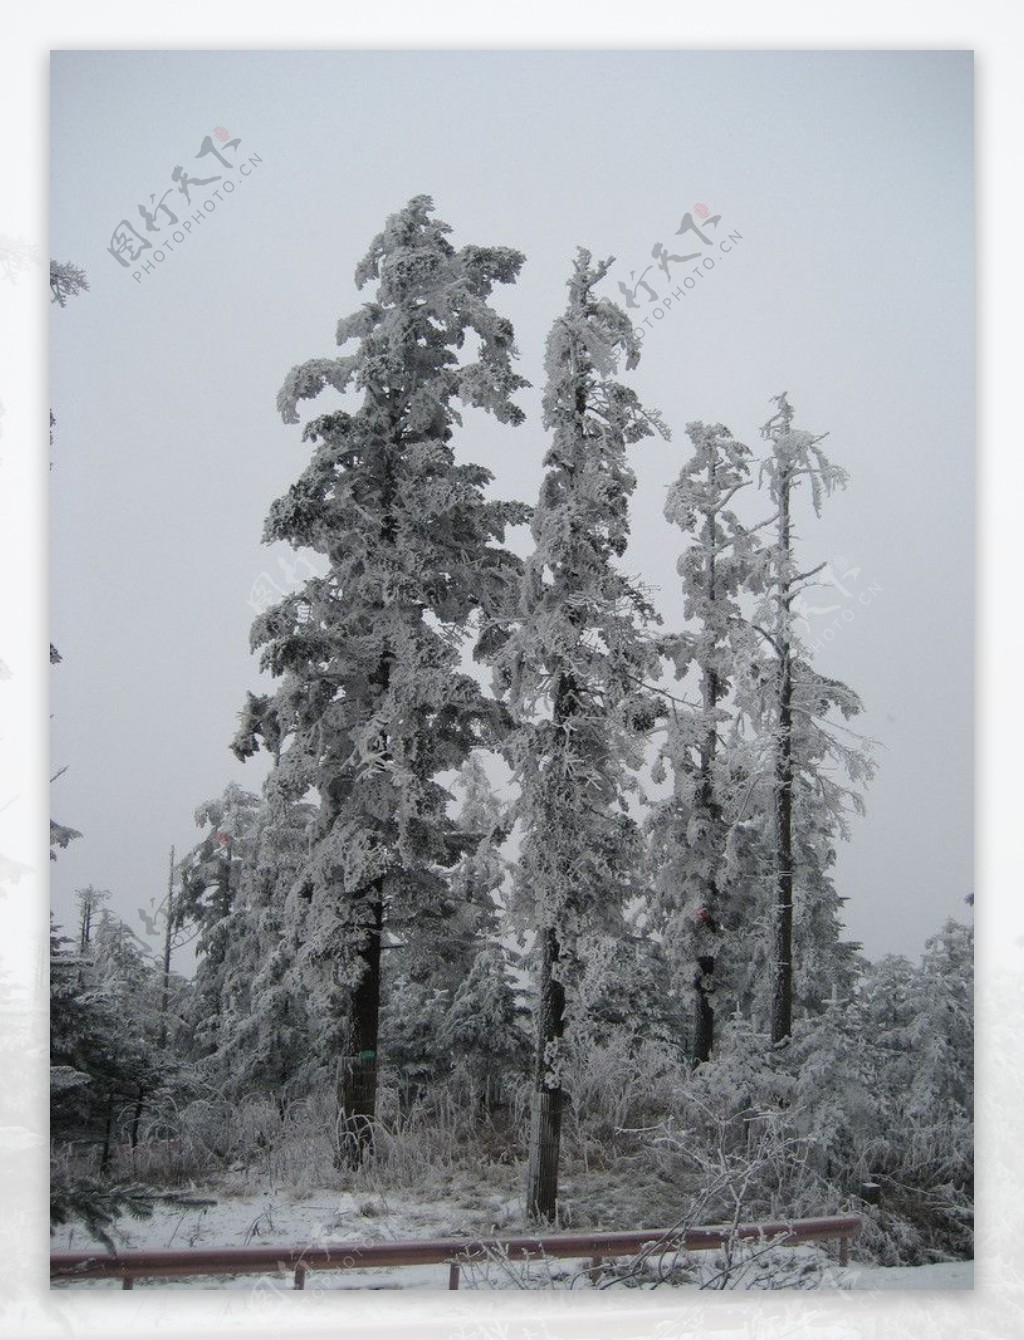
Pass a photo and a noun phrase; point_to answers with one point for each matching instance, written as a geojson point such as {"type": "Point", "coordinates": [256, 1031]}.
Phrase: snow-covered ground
{"type": "Point", "coordinates": [946, 1275]}
{"type": "Point", "coordinates": [220, 1219]}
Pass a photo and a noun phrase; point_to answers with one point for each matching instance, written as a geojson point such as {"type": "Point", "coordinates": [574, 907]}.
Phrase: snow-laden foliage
{"type": "Point", "coordinates": [98, 1050]}
{"type": "Point", "coordinates": [209, 877]}
{"type": "Point", "coordinates": [875, 1087]}
{"type": "Point", "coordinates": [66, 280]}
{"type": "Point", "coordinates": [352, 927]}
{"type": "Point", "coordinates": [576, 667]}
{"type": "Point", "coordinates": [810, 767]}
{"type": "Point", "coordinates": [105, 1065]}
{"type": "Point", "coordinates": [449, 999]}
{"type": "Point", "coordinates": [705, 890]}
{"type": "Point", "coordinates": [266, 1042]}
{"type": "Point", "coordinates": [764, 772]}
{"type": "Point", "coordinates": [60, 836]}
{"type": "Point", "coordinates": [575, 671]}
{"type": "Point", "coordinates": [372, 703]}
{"type": "Point", "coordinates": [920, 1020]}
{"type": "Point", "coordinates": [439, 942]}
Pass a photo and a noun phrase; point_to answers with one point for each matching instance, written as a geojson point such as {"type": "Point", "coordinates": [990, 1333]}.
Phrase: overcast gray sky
{"type": "Point", "coordinates": [848, 177]}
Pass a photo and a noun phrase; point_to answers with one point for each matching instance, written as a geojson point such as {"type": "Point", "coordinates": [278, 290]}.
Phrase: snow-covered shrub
{"type": "Point", "coordinates": [876, 1086]}
{"type": "Point", "coordinates": [613, 1088]}
{"type": "Point", "coordinates": [917, 1029]}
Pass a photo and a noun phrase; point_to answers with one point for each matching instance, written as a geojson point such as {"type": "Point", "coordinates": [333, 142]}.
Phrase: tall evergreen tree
{"type": "Point", "coordinates": [90, 904]}
{"type": "Point", "coordinates": [575, 671]}
{"type": "Point", "coordinates": [210, 875]}
{"type": "Point", "coordinates": [102, 1057]}
{"type": "Point", "coordinates": [450, 1000]}
{"type": "Point", "coordinates": [703, 906]}
{"type": "Point", "coordinates": [103, 1052]}
{"type": "Point", "coordinates": [372, 705]}
{"type": "Point", "coordinates": [266, 1042]}
{"type": "Point", "coordinates": [442, 941]}
{"type": "Point", "coordinates": [794, 708]}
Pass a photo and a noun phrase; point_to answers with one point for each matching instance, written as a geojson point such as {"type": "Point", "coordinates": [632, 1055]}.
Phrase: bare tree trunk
{"type": "Point", "coordinates": [704, 1023]}
{"type": "Point", "coordinates": [548, 1102]}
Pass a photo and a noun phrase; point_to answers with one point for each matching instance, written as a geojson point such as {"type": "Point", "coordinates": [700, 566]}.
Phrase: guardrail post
{"type": "Point", "coordinates": [844, 1251]}
{"type": "Point", "coordinates": [453, 1275]}
{"type": "Point", "coordinates": [127, 1282]}
{"type": "Point", "coordinates": [596, 1262]}
{"type": "Point", "coordinates": [300, 1277]}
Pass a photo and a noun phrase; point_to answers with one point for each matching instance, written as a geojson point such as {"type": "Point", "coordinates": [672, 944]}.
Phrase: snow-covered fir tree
{"type": "Point", "coordinates": [575, 672]}
{"type": "Point", "coordinates": [91, 902]}
{"type": "Point", "coordinates": [266, 1042]}
{"type": "Point", "coordinates": [795, 713]}
{"type": "Point", "coordinates": [624, 988]}
{"type": "Point", "coordinates": [104, 1057]}
{"type": "Point", "coordinates": [483, 1031]}
{"type": "Point", "coordinates": [209, 879]}
{"type": "Point", "coordinates": [919, 1019]}
{"type": "Point", "coordinates": [704, 902]}
{"type": "Point", "coordinates": [439, 942]}
{"type": "Point", "coordinates": [435, 951]}
{"type": "Point", "coordinates": [372, 704]}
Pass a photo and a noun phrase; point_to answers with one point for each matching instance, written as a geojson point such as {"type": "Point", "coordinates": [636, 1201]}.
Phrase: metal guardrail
{"type": "Point", "coordinates": [455, 1252]}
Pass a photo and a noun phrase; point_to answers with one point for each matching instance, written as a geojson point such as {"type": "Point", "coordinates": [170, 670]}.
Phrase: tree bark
{"type": "Point", "coordinates": [703, 1026]}
{"type": "Point", "coordinates": [546, 1125]}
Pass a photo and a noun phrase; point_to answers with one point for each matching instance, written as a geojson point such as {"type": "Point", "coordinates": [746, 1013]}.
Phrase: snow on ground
{"type": "Point", "coordinates": [946, 1275]}
{"type": "Point", "coordinates": [218, 1218]}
